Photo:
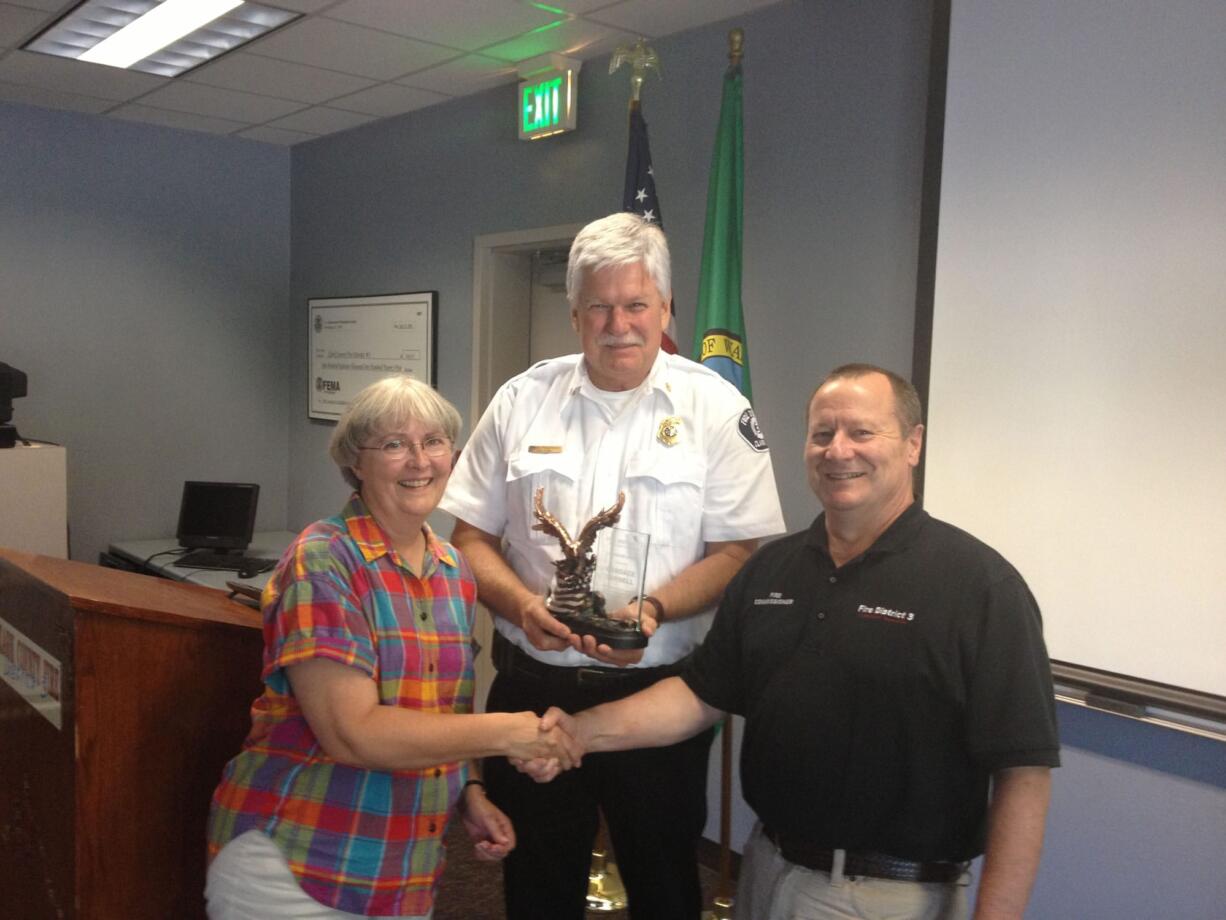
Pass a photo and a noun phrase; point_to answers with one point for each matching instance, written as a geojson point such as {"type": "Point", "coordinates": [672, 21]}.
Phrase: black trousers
{"type": "Point", "coordinates": [654, 801]}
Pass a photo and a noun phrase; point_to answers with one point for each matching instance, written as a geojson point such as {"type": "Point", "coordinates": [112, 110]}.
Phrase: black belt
{"type": "Point", "coordinates": [871, 865]}
{"type": "Point", "coordinates": [512, 661]}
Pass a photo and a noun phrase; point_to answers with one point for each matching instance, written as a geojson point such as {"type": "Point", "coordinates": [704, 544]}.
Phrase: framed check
{"type": "Point", "coordinates": [355, 341]}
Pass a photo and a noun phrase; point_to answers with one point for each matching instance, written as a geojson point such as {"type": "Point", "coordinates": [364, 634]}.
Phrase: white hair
{"type": "Point", "coordinates": [383, 407]}
{"type": "Point", "coordinates": [619, 239]}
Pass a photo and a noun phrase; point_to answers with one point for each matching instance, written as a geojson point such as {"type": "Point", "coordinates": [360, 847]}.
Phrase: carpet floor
{"type": "Point", "coordinates": [472, 890]}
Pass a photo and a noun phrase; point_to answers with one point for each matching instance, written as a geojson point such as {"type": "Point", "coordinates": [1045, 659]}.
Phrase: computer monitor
{"type": "Point", "coordinates": [218, 515]}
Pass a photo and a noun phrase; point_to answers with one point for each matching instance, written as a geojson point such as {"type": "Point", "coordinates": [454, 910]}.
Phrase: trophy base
{"type": "Point", "coordinates": [607, 631]}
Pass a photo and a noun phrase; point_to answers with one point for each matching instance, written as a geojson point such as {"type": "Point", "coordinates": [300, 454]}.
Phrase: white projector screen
{"type": "Point", "coordinates": [1078, 371]}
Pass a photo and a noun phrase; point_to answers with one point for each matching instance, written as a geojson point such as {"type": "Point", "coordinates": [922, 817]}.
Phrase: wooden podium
{"type": "Point", "coordinates": [122, 698]}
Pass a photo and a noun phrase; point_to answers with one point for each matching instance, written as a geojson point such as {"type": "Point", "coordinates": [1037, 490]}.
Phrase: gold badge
{"type": "Point", "coordinates": [669, 431]}
{"type": "Point", "coordinates": [544, 449]}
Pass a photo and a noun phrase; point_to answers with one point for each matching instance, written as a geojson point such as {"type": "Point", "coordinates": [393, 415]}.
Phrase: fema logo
{"type": "Point", "coordinates": [748, 427]}
{"type": "Point", "coordinates": [319, 323]}
{"type": "Point", "coordinates": [330, 386]}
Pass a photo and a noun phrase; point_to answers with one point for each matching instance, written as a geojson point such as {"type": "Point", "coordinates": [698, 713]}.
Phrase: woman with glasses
{"type": "Point", "coordinates": [360, 743]}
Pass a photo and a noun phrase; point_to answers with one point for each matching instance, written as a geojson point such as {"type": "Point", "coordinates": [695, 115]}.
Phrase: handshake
{"type": "Point", "coordinates": [664, 713]}
{"type": "Point", "coordinates": [559, 744]}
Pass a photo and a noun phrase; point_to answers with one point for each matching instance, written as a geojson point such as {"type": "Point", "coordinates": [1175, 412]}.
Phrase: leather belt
{"type": "Point", "coordinates": [512, 661]}
{"type": "Point", "coordinates": [870, 865]}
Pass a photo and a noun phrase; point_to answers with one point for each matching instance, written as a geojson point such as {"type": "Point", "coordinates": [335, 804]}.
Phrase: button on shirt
{"type": "Point", "coordinates": [358, 840]}
{"type": "Point", "coordinates": [704, 480]}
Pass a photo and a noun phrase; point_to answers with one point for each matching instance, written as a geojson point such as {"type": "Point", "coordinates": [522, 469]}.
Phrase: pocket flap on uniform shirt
{"type": "Point", "coordinates": [669, 465]}
{"type": "Point", "coordinates": [528, 463]}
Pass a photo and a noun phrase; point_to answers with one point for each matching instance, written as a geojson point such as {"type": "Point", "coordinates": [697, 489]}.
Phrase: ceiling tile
{"type": "Point", "coordinates": [350, 49]}
{"type": "Point", "coordinates": [340, 53]}
{"type": "Point", "coordinates": [582, 7]}
{"type": "Point", "coordinates": [219, 103]}
{"type": "Point", "coordinates": [49, 6]}
{"type": "Point", "coordinates": [18, 24]}
{"type": "Point", "coordinates": [275, 135]}
{"type": "Point", "coordinates": [464, 24]}
{"type": "Point", "coordinates": [322, 120]}
{"type": "Point", "coordinates": [571, 38]}
{"type": "Point", "coordinates": [283, 79]}
{"type": "Point", "coordinates": [463, 75]}
{"type": "Point", "coordinates": [600, 50]}
{"type": "Point", "coordinates": [653, 19]}
{"type": "Point", "coordinates": [69, 76]}
{"type": "Point", "coordinates": [186, 120]}
{"type": "Point", "coordinates": [53, 99]}
{"type": "Point", "coordinates": [301, 6]}
{"type": "Point", "coordinates": [388, 99]}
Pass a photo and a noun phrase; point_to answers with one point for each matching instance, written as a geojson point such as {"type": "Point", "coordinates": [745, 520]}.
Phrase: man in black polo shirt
{"type": "Point", "coordinates": [896, 690]}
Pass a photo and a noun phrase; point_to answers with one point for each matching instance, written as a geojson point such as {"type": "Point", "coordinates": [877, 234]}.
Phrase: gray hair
{"type": "Point", "coordinates": [383, 407]}
{"type": "Point", "coordinates": [906, 400]}
{"type": "Point", "coordinates": [619, 239]}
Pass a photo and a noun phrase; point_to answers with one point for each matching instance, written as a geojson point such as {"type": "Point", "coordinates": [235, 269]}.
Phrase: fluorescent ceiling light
{"type": "Point", "coordinates": [202, 30]}
{"type": "Point", "coordinates": [158, 28]}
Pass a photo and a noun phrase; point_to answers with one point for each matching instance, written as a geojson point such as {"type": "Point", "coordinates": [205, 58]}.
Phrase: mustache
{"type": "Point", "coordinates": [630, 338]}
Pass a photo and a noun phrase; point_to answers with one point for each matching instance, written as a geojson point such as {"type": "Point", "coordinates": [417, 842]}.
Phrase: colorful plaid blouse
{"type": "Point", "coordinates": [363, 841]}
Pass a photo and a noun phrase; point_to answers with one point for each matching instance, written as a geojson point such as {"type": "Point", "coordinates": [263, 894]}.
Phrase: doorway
{"type": "Point", "coordinates": [520, 316]}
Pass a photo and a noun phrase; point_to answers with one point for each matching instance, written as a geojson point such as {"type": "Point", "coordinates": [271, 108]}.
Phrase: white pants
{"type": "Point", "coordinates": [771, 888]}
{"type": "Point", "coordinates": [250, 880]}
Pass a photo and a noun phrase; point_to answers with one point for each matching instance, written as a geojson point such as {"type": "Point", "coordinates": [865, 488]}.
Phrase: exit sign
{"type": "Point", "coordinates": [547, 103]}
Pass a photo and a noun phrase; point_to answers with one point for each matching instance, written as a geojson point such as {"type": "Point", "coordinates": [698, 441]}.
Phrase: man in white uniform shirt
{"type": "Point", "coordinates": [684, 446]}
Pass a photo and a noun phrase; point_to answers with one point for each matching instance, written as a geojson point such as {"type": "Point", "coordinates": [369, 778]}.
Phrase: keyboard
{"type": "Point", "coordinates": [229, 562]}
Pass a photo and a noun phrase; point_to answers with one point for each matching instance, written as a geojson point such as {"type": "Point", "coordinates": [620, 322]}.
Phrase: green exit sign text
{"type": "Point", "coordinates": [547, 103]}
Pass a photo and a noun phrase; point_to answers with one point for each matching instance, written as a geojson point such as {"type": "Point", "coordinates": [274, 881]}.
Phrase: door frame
{"type": "Point", "coordinates": [492, 329]}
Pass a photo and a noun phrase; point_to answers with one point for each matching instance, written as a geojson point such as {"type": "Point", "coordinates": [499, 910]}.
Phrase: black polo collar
{"type": "Point", "coordinates": [897, 537]}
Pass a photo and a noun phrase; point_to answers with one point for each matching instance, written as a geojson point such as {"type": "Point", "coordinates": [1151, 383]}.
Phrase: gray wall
{"type": "Point", "coordinates": [143, 283]}
{"type": "Point", "coordinates": [834, 118]}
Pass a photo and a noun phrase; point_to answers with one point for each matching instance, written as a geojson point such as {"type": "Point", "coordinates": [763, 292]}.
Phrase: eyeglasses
{"type": "Point", "coordinates": [398, 448]}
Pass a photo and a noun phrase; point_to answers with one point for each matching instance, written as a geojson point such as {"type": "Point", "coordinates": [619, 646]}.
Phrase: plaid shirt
{"type": "Point", "coordinates": [363, 841]}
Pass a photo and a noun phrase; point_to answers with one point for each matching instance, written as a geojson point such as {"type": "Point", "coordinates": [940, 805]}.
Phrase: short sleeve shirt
{"type": "Point", "coordinates": [364, 841]}
{"type": "Point", "coordinates": [880, 696]}
{"type": "Point", "coordinates": [685, 448]}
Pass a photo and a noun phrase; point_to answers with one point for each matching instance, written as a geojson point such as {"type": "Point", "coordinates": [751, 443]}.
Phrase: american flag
{"type": "Point", "coordinates": [639, 196]}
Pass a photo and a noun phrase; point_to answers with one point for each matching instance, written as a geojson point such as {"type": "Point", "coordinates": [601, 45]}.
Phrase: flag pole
{"type": "Point", "coordinates": [722, 902]}
{"type": "Point", "coordinates": [723, 895]}
{"type": "Point", "coordinates": [606, 893]}
{"type": "Point", "coordinates": [639, 194]}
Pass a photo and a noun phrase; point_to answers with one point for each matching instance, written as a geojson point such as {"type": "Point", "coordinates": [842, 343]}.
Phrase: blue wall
{"type": "Point", "coordinates": [143, 289]}
{"type": "Point", "coordinates": [1137, 826]}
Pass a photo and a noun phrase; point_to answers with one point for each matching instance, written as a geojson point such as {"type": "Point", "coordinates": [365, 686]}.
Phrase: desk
{"type": "Point", "coordinates": [144, 555]}
{"type": "Point", "coordinates": [106, 783]}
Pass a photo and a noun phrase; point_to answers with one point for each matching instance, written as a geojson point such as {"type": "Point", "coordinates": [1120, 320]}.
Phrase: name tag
{"type": "Point", "coordinates": [544, 449]}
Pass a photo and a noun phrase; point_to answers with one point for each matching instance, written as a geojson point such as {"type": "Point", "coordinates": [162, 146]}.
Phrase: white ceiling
{"type": "Point", "coordinates": [343, 63]}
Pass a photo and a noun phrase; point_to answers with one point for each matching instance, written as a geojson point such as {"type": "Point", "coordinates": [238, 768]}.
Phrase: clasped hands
{"type": "Point", "coordinates": [561, 747]}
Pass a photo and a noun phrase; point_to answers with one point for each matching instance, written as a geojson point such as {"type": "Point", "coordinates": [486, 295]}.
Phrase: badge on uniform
{"type": "Point", "coordinates": [748, 427]}
{"type": "Point", "coordinates": [544, 449]}
{"type": "Point", "coordinates": [669, 431]}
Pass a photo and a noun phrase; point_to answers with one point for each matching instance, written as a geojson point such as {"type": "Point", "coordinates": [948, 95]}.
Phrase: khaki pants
{"type": "Point", "coordinates": [250, 880]}
{"type": "Point", "coordinates": [771, 888]}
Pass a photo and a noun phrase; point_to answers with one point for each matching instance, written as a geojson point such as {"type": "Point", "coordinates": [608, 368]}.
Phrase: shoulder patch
{"type": "Point", "coordinates": [748, 427]}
